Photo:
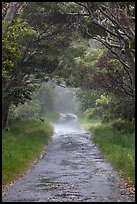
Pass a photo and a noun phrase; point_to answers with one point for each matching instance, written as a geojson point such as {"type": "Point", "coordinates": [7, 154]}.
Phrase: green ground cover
{"type": "Point", "coordinates": [21, 146]}
{"type": "Point", "coordinates": [117, 146]}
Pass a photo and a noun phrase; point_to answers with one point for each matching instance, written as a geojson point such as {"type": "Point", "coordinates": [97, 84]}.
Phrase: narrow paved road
{"type": "Point", "coordinates": [71, 170]}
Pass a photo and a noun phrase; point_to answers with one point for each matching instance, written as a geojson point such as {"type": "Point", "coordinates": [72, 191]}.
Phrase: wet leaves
{"type": "Point", "coordinates": [8, 185]}
{"type": "Point", "coordinates": [130, 187]}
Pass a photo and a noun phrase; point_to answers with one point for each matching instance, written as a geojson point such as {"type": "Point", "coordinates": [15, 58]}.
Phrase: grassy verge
{"type": "Point", "coordinates": [118, 147]}
{"type": "Point", "coordinates": [21, 146]}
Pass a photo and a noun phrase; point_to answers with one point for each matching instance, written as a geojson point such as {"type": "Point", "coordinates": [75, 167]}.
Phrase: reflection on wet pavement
{"type": "Point", "coordinates": [72, 169]}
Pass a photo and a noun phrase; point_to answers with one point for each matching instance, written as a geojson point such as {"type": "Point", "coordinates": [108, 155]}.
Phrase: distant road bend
{"type": "Point", "coordinates": [71, 170]}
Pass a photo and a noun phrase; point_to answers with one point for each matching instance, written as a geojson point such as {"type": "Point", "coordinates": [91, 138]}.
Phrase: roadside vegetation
{"type": "Point", "coordinates": [118, 145]}
{"type": "Point", "coordinates": [29, 128]}
{"type": "Point", "coordinates": [22, 144]}
{"type": "Point", "coordinates": [89, 46]}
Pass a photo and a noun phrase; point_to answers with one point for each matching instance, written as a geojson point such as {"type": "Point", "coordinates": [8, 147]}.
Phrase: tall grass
{"type": "Point", "coordinates": [117, 146]}
{"type": "Point", "coordinates": [21, 146]}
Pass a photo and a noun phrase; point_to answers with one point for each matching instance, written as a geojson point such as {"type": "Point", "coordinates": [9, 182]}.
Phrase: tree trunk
{"type": "Point", "coordinates": [12, 11]}
{"type": "Point", "coordinates": [131, 62]}
{"type": "Point", "coordinates": [5, 111]}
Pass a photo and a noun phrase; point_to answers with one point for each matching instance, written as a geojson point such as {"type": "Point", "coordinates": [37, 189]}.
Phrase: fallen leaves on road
{"type": "Point", "coordinates": [130, 187]}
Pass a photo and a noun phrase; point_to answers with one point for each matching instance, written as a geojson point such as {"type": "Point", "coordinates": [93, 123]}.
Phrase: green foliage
{"type": "Point", "coordinates": [92, 113]}
{"type": "Point", "coordinates": [30, 109]}
{"type": "Point", "coordinates": [95, 104]}
{"type": "Point", "coordinates": [67, 67]}
{"type": "Point", "coordinates": [19, 94]}
{"type": "Point", "coordinates": [124, 126]}
{"type": "Point", "coordinates": [25, 42]}
{"type": "Point", "coordinates": [69, 7]}
{"type": "Point", "coordinates": [105, 106]}
{"type": "Point", "coordinates": [104, 99]}
{"type": "Point", "coordinates": [122, 109]}
{"type": "Point", "coordinates": [12, 47]}
{"type": "Point", "coordinates": [40, 105]}
{"type": "Point", "coordinates": [132, 44]}
{"type": "Point", "coordinates": [106, 71]}
{"type": "Point", "coordinates": [38, 44]}
{"type": "Point", "coordinates": [88, 98]}
{"type": "Point", "coordinates": [89, 59]}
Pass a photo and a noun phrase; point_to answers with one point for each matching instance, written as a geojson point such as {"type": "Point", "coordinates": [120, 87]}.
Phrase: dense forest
{"type": "Point", "coordinates": [85, 45]}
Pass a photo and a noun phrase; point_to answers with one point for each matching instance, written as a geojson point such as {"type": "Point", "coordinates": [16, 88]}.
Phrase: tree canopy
{"type": "Point", "coordinates": [42, 41]}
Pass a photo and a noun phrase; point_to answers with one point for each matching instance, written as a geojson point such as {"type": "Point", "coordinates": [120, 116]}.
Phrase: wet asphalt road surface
{"type": "Point", "coordinates": [72, 169]}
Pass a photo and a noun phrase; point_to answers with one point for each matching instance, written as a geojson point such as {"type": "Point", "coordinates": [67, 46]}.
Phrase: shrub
{"type": "Point", "coordinates": [124, 126]}
{"type": "Point", "coordinates": [91, 113]}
